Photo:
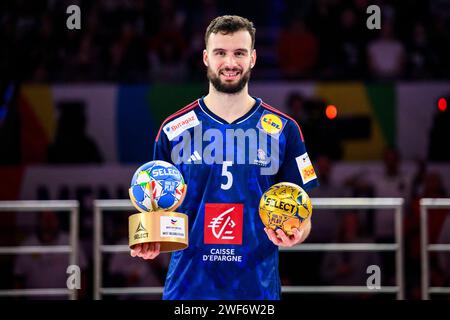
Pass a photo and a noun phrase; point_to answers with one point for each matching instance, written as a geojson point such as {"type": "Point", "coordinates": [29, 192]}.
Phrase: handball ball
{"type": "Point", "coordinates": [157, 186]}
{"type": "Point", "coordinates": [284, 206]}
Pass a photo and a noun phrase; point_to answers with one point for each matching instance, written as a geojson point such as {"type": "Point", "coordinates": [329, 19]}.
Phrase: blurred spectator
{"type": "Point", "coordinates": [438, 137]}
{"type": "Point", "coordinates": [194, 61]}
{"type": "Point", "coordinates": [386, 54]}
{"type": "Point", "coordinates": [128, 59]}
{"type": "Point", "coordinates": [298, 50]}
{"type": "Point", "coordinates": [322, 133]}
{"type": "Point", "coordinates": [444, 257]}
{"type": "Point", "coordinates": [418, 179]}
{"type": "Point", "coordinates": [9, 124]}
{"type": "Point", "coordinates": [323, 19]}
{"type": "Point", "coordinates": [432, 187]}
{"type": "Point", "coordinates": [167, 55]}
{"type": "Point", "coordinates": [348, 267]}
{"type": "Point", "coordinates": [128, 272]}
{"type": "Point", "coordinates": [295, 104]}
{"type": "Point", "coordinates": [72, 145]}
{"type": "Point", "coordinates": [360, 187]}
{"type": "Point", "coordinates": [391, 182]}
{"type": "Point", "coordinates": [350, 47]}
{"type": "Point", "coordinates": [131, 273]}
{"type": "Point", "coordinates": [440, 39]}
{"type": "Point", "coordinates": [325, 223]}
{"type": "Point", "coordinates": [47, 270]}
{"type": "Point", "coordinates": [420, 55]}
{"type": "Point", "coordinates": [85, 58]}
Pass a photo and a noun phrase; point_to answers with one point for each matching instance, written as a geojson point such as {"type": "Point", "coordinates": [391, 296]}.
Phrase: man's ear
{"type": "Point", "coordinates": [253, 60]}
{"type": "Point", "coordinates": [205, 57]}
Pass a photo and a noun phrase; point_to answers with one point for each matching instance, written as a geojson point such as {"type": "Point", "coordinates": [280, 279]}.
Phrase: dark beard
{"type": "Point", "coordinates": [227, 88]}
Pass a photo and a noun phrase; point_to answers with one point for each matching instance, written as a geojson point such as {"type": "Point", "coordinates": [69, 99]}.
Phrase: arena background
{"type": "Point", "coordinates": [80, 110]}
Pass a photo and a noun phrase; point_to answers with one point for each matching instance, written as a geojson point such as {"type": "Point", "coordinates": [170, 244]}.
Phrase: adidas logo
{"type": "Point", "coordinates": [194, 157]}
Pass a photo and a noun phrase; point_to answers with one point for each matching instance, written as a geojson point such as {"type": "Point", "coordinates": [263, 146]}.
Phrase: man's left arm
{"type": "Point", "coordinates": [297, 168]}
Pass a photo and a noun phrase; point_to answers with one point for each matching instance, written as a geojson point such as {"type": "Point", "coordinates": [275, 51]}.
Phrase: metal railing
{"type": "Point", "coordinates": [100, 248]}
{"type": "Point", "coordinates": [71, 206]}
{"type": "Point", "coordinates": [357, 203]}
{"type": "Point", "coordinates": [318, 203]}
{"type": "Point", "coordinates": [425, 247]}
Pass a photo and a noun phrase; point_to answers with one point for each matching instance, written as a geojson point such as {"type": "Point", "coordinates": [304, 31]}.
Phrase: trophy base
{"type": "Point", "coordinates": [170, 229]}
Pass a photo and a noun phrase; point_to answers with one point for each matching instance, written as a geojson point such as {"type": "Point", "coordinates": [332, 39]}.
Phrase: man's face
{"type": "Point", "coordinates": [229, 59]}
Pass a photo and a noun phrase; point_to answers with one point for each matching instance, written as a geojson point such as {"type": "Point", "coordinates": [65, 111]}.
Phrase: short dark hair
{"type": "Point", "coordinates": [230, 24]}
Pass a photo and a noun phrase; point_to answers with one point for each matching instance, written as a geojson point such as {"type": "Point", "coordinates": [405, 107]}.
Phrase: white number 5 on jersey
{"type": "Point", "coordinates": [227, 175]}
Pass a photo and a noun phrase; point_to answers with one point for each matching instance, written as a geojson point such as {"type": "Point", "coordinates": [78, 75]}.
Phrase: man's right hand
{"type": "Point", "coordinates": [146, 250]}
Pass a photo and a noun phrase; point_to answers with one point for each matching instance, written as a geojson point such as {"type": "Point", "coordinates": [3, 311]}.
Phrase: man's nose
{"type": "Point", "coordinates": [230, 61]}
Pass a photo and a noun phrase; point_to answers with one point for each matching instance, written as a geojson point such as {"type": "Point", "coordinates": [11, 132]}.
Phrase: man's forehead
{"type": "Point", "coordinates": [238, 40]}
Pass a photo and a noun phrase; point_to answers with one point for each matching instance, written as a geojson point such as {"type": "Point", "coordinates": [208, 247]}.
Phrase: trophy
{"type": "Point", "coordinates": [157, 189]}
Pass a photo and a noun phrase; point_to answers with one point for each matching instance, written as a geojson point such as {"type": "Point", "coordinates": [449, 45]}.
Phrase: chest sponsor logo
{"type": "Point", "coordinates": [271, 124]}
{"type": "Point", "coordinates": [175, 127]}
{"type": "Point", "coordinates": [223, 223]}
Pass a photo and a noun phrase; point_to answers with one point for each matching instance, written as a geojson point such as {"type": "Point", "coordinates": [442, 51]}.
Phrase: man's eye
{"type": "Point", "coordinates": [220, 53]}
{"type": "Point", "coordinates": [239, 53]}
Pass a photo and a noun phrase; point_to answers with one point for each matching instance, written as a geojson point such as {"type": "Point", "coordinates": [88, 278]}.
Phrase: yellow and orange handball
{"type": "Point", "coordinates": [284, 206]}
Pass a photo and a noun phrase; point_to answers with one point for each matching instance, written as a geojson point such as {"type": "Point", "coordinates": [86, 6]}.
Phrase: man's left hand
{"type": "Point", "coordinates": [279, 238]}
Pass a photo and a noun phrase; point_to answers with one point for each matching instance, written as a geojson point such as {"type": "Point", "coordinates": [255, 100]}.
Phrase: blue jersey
{"type": "Point", "coordinates": [227, 168]}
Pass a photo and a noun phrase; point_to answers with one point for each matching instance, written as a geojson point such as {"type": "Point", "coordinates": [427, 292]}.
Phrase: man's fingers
{"type": "Point", "coordinates": [297, 234]}
{"type": "Point", "coordinates": [284, 237]}
{"type": "Point", "coordinates": [155, 251]}
{"type": "Point", "coordinates": [135, 250]}
{"type": "Point", "coordinates": [267, 232]}
{"type": "Point", "coordinates": [280, 238]}
{"type": "Point", "coordinates": [151, 248]}
{"type": "Point", "coordinates": [143, 250]}
{"type": "Point", "coordinates": [146, 250]}
{"type": "Point", "coordinates": [273, 237]}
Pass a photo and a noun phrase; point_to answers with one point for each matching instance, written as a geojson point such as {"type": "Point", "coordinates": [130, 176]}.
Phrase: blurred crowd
{"type": "Point", "coordinates": [138, 41]}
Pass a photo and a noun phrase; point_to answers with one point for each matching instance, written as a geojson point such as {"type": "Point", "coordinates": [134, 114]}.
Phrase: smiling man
{"type": "Point", "coordinates": [230, 255]}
